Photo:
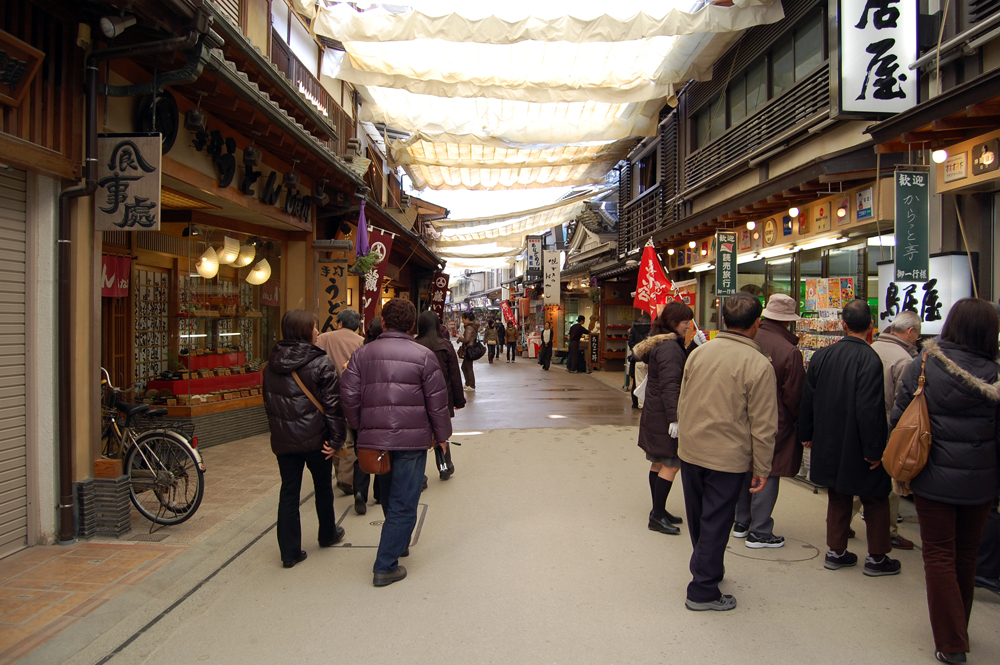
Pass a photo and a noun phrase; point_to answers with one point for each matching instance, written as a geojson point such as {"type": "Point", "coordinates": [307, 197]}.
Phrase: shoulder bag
{"type": "Point", "coordinates": [475, 351]}
{"type": "Point", "coordinates": [343, 451]}
{"type": "Point", "coordinates": [374, 461]}
{"type": "Point", "coordinates": [910, 442]}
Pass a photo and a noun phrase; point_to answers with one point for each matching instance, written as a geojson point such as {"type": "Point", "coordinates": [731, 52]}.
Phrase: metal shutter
{"type": "Point", "coordinates": [13, 465]}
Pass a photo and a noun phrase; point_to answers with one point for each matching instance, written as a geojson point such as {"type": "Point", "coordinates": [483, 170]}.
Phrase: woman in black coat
{"type": "Point", "coordinates": [665, 353]}
{"type": "Point", "coordinates": [303, 433]}
{"type": "Point", "coordinates": [954, 492]}
{"type": "Point", "coordinates": [428, 334]}
{"type": "Point", "coordinates": [545, 352]}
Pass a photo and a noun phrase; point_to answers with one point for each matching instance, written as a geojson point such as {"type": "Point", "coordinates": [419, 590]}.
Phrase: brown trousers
{"type": "Point", "coordinates": [838, 522]}
{"type": "Point", "coordinates": [950, 536]}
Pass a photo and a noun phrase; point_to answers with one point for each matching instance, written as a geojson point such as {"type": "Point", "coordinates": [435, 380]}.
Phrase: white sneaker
{"type": "Point", "coordinates": [470, 388]}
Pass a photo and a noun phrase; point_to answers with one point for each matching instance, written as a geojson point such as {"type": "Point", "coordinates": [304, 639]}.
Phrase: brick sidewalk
{"type": "Point", "coordinates": [45, 589]}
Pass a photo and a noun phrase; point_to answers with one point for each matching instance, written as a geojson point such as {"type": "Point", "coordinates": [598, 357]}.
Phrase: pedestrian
{"type": "Point", "coordinates": [395, 396]}
{"type": "Point", "coordinates": [374, 329]}
{"type": "Point", "coordinates": [469, 337]}
{"type": "Point", "coordinates": [545, 352]}
{"type": "Point", "coordinates": [665, 353]}
{"type": "Point", "coordinates": [512, 335]}
{"type": "Point", "coordinates": [576, 331]}
{"type": "Point", "coordinates": [896, 347]}
{"type": "Point", "coordinates": [302, 402]}
{"type": "Point", "coordinates": [638, 331]}
{"type": "Point", "coordinates": [954, 493]}
{"type": "Point", "coordinates": [727, 416]}
{"type": "Point", "coordinates": [842, 420]}
{"type": "Point", "coordinates": [753, 512]}
{"type": "Point", "coordinates": [339, 344]}
{"type": "Point", "coordinates": [988, 560]}
{"type": "Point", "coordinates": [429, 336]}
{"type": "Point", "coordinates": [491, 337]}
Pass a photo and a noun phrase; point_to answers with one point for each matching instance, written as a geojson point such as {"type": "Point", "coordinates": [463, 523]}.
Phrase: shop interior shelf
{"type": "Point", "coordinates": [213, 360]}
{"type": "Point", "coordinates": [209, 384]}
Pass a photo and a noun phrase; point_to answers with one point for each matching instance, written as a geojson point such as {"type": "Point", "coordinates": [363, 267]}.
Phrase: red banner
{"type": "Point", "coordinates": [371, 281]}
{"type": "Point", "coordinates": [116, 272]}
{"type": "Point", "coordinates": [653, 286]}
{"type": "Point", "coordinates": [270, 293]}
{"type": "Point", "coordinates": [439, 288]}
{"type": "Point", "coordinates": [508, 315]}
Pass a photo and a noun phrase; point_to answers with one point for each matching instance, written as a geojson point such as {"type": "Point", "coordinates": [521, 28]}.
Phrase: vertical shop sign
{"type": "Point", "coordinates": [913, 209]}
{"type": "Point", "coordinates": [594, 348]}
{"type": "Point", "coordinates": [878, 42]}
{"type": "Point", "coordinates": [439, 289]}
{"type": "Point", "coordinates": [725, 268]}
{"type": "Point", "coordinates": [508, 313]}
{"type": "Point", "coordinates": [533, 260]}
{"type": "Point", "coordinates": [333, 292]}
{"type": "Point", "coordinates": [552, 261]}
{"type": "Point", "coordinates": [381, 243]}
{"type": "Point", "coordinates": [128, 182]}
{"type": "Point", "coordinates": [116, 272]}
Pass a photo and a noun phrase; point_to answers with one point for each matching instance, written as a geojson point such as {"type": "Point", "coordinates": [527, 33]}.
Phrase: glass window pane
{"type": "Point", "coordinates": [756, 86]}
{"type": "Point", "coordinates": [702, 136]}
{"type": "Point", "coordinates": [304, 48]}
{"type": "Point", "coordinates": [718, 120]}
{"type": "Point", "coordinates": [737, 101]}
{"type": "Point", "coordinates": [808, 46]}
{"type": "Point", "coordinates": [782, 67]}
{"type": "Point", "coordinates": [279, 19]}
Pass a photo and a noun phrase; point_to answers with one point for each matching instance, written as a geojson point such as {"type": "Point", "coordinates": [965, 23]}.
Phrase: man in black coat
{"type": "Point", "coordinates": [842, 420]}
{"type": "Point", "coordinates": [576, 331]}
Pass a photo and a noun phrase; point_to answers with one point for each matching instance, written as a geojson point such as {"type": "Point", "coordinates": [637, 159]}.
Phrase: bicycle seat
{"type": "Point", "coordinates": [155, 413]}
{"type": "Point", "coordinates": [131, 409]}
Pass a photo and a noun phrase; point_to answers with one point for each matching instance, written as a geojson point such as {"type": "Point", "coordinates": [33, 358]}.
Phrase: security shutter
{"type": "Point", "coordinates": [13, 465]}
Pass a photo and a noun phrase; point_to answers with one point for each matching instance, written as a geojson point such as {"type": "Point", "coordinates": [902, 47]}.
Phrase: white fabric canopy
{"type": "Point", "coordinates": [470, 222]}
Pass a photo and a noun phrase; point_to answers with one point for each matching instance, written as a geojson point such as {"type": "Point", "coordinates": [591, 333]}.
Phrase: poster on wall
{"type": "Point", "coordinates": [439, 290]}
{"type": "Point", "coordinates": [846, 289]}
{"type": "Point", "coordinates": [833, 291]}
{"type": "Point", "coordinates": [913, 210]}
{"type": "Point", "coordinates": [821, 217]}
{"type": "Point", "coordinates": [381, 243]}
{"type": "Point", "coordinates": [865, 207]}
{"type": "Point", "coordinates": [332, 292]}
{"type": "Point", "coordinates": [878, 43]}
{"type": "Point", "coordinates": [128, 182]}
{"type": "Point", "coordinates": [948, 281]}
{"type": "Point", "coordinates": [822, 294]}
{"type": "Point", "coordinates": [811, 295]}
{"type": "Point", "coordinates": [745, 241]}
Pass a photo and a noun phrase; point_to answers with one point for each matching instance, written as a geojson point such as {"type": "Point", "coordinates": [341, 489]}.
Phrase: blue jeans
{"type": "Point", "coordinates": [399, 492]}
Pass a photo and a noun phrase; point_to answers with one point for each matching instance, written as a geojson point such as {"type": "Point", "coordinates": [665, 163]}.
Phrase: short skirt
{"type": "Point", "coordinates": [665, 461]}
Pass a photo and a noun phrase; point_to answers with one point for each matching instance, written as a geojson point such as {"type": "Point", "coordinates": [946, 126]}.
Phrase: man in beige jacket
{"type": "Point", "coordinates": [727, 419]}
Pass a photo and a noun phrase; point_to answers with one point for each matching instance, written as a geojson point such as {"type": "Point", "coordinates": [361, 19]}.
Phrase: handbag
{"type": "Point", "coordinates": [910, 442]}
{"type": "Point", "coordinates": [343, 451]}
{"type": "Point", "coordinates": [475, 351]}
{"type": "Point", "coordinates": [374, 461]}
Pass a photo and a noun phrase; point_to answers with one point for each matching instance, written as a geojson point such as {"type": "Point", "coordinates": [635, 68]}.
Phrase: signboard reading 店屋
{"type": "Point", "coordinates": [913, 211]}
{"type": "Point", "coordinates": [725, 264]}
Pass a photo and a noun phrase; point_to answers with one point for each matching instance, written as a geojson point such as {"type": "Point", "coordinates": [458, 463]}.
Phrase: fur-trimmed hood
{"type": "Point", "coordinates": [989, 391]}
{"type": "Point", "coordinates": [643, 348]}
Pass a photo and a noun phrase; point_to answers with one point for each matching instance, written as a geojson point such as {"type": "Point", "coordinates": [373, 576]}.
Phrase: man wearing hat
{"type": "Point", "coordinates": [753, 512]}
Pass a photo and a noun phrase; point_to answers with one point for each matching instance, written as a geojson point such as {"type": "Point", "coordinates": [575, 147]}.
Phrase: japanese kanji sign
{"type": "Point", "coordinates": [652, 288]}
{"type": "Point", "coordinates": [128, 182]}
{"type": "Point", "coordinates": [371, 282]}
{"type": "Point", "coordinates": [332, 293]}
{"type": "Point", "coordinates": [116, 273]}
{"type": "Point", "coordinates": [534, 256]}
{"type": "Point", "coordinates": [948, 281]}
{"type": "Point", "coordinates": [913, 209]}
{"type": "Point", "coordinates": [552, 265]}
{"type": "Point", "coordinates": [725, 264]}
{"type": "Point", "coordinates": [878, 42]}
{"type": "Point", "coordinates": [439, 289]}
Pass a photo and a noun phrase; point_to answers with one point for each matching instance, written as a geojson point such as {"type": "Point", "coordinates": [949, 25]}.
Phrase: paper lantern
{"type": "Point", "coordinates": [208, 263]}
{"type": "Point", "coordinates": [229, 251]}
{"type": "Point", "coordinates": [246, 256]}
{"type": "Point", "coordinates": [260, 273]}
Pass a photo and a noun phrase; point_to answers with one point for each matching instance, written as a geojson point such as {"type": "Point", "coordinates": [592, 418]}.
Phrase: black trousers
{"type": "Point", "coordinates": [362, 481]}
{"type": "Point", "coordinates": [511, 351]}
{"type": "Point", "coordinates": [492, 351]}
{"type": "Point", "coordinates": [545, 356]}
{"type": "Point", "coordinates": [710, 498]}
{"type": "Point", "coordinates": [989, 547]}
{"type": "Point", "coordinates": [289, 525]}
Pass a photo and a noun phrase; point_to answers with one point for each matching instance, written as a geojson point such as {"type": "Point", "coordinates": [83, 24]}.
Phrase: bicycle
{"type": "Point", "coordinates": [165, 471]}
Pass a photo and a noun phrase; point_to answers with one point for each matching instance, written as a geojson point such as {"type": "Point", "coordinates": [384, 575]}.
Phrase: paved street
{"type": "Point", "coordinates": [536, 551]}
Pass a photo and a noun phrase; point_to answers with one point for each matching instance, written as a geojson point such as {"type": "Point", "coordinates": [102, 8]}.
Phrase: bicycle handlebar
{"type": "Point", "coordinates": [107, 381]}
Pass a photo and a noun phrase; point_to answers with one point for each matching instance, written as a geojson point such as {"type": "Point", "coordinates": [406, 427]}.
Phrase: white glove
{"type": "Point", "coordinates": [699, 338]}
{"type": "Point", "coordinates": [672, 430]}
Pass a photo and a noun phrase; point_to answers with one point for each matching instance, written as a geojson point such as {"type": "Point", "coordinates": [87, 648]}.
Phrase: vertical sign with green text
{"type": "Point", "coordinates": [913, 210]}
{"type": "Point", "coordinates": [725, 264]}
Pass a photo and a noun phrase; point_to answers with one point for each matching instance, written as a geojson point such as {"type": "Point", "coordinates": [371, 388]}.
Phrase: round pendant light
{"type": "Point", "coordinates": [260, 273]}
{"type": "Point", "coordinates": [229, 251]}
{"type": "Point", "coordinates": [246, 256]}
{"type": "Point", "coordinates": [208, 263]}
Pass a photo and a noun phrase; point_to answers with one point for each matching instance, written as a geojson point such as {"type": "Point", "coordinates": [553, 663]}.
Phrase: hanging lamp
{"type": "Point", "coordinates": [208, 263]}
{"type": "Point", "coordinates": [260, 273]}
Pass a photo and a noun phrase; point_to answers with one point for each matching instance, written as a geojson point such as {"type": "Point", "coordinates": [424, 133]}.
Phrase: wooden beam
{"type": "Point", "coordinates": [29, 156]}
{"type": "Point", "coordinates": [983, 109]}
{"type": "Point", "coordinates": [202, 218]}
{"type": "Point", "coordinates": [927, 137]}
{"type": "Point", "coordinates": [975, 122]}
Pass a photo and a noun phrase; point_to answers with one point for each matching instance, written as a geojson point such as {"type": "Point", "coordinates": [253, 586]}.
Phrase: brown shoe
{"type": "Point", "coordinates": [900, 543]}
{"type": "Point", "coordinates": [851, 534]}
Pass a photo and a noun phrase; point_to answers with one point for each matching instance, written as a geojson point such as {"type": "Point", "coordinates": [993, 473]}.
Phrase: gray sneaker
{"type": "Point", "coordinates": [836, 561]}
{"type": "Point", "coordinates": [723, 604]}
{"type": "Point", "coordinates": [756, 542]}
{"type": "Point", "coordinates": [885, 566]}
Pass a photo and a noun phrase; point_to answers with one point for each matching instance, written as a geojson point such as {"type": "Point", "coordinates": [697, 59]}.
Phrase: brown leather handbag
{"type": "Point", "coordinates": [374, 461]}
{"type": "Point", "coordinates": [910, 442]}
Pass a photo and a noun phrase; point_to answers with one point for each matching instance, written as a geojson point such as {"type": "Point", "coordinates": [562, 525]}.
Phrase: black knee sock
{"type": "Point", "coordinates": [660, 493]}
{"type": "Point", "coordinates": [652, 487]}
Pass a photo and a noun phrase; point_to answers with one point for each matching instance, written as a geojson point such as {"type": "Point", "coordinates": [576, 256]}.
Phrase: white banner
{"type": "Point", "coordinates": [552, 263]}
{"type": "Point", "coordinates": [878, 42]}
{"type": "Point", "coordinates": [949, 281]}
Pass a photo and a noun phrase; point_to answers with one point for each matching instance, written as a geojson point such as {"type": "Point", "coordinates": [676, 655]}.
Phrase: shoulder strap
{"type": "Point", "coordinates": [922, 380]}
{"type": "Point", "coordinates": [302, 386]}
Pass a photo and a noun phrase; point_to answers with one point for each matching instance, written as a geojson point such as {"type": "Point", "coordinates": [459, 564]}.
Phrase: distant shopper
{"type": "Point", "coordinates": [638, 331]}
{"type": "Point", "coordinates": [545, 351]}
{"type": "Point", "coordinates": [374, 330]}
{"type": "Point", "coordinates": [339, 344]}
{"type": "Point", "coordinates": [512, 335]}
{"type": "Point", "coordinates": [428, 335]}
{"type": "Point", "coordinates": [842, 419]}
{"type": "Point", "coordinates": [297, 375]}
{"type": "Point", "coordinates": [492, 339]}
{"type": "Point", "coordinates": [955, 491]}
{"type": "Point", "coordinates": [665, 353]}
{"type": "Point", "coordinates": [726, 419]}
{"type": "Point", "coordinates": [395, 396]}
{"type": "Point", "coordinates": [896, 347]}
{"type": "Point", "coordinates": [469, 336]}
{"type": "Point", "coordinates": [576, 332]}
{"type": "Point", "coordinates": [753, 512]}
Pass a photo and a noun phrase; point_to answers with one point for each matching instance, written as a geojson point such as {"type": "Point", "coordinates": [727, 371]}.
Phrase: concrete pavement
{"type": "Point", "coordinates": [536, 551]}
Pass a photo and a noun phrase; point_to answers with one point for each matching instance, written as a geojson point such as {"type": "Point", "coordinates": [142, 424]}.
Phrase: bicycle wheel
{"type": "Point", "coordinates": [166, 485]}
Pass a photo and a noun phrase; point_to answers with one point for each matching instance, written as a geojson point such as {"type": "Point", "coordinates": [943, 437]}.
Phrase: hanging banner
{"type": "Point", "coordinates": [270, 293]}
{"type": "Point", "coordinates": [653, 285]}
{"type": "Point", "coordinates": [913, 211]}
{"type": "Point", "coordinates": [878, 43]}
{"type": "Point", "coordinates": [381, 243]}
{"type": "Point", "coordinates": [116, 272]}
{"type": "Point", "coordinates": [439, 289]}
{"type": "Point", "coordinates": [533, 262]}
{"type": "Point", "coordinates": [725, 264]}
{"type": "Point", "coordinates": [508, 313]}
{"type": "Point", "coordinates": [948, 281]}
{"type": "Point", "coordinates": [128, 182]}
{"type": "Point", "coordinates": [332, 293]}
{"type": "Point", "coordinates": [553, 262]}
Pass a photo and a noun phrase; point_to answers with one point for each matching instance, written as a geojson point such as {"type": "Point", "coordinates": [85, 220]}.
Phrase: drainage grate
{"type": "Point", "coordinates": [149, 537]}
